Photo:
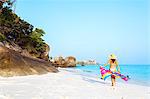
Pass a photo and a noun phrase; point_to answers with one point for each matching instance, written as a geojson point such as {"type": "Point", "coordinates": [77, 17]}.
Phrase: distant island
{"type": "Point", "coordinates": [87, 62]}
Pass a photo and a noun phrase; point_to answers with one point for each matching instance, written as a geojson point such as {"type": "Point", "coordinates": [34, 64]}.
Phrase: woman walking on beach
{"type": "Point", "coordinates": [114, 67]}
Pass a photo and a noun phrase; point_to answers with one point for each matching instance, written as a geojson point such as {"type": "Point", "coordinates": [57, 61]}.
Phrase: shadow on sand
{"type": "Point", "coordinates": [87, 76]}
{"type": "Point", "coordinates": [95, 81]}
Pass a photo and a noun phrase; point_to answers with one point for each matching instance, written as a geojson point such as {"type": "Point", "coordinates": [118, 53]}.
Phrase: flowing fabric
{"type": "Point", "coordinates": [107, 73]}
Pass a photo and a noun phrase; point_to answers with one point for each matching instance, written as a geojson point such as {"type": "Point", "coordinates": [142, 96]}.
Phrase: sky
{"type": "Point", "coordinates": [92, 29]}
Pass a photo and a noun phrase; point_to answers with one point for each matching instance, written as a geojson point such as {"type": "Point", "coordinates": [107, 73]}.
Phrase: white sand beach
{"type": "Point", "coordinates": [67, 85]}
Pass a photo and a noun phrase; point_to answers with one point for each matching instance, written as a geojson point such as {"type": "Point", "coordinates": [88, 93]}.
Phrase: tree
{"type": "Point", "coordinates": [15, 30]}
{"type": "Point", "coordinates": [2, 37]}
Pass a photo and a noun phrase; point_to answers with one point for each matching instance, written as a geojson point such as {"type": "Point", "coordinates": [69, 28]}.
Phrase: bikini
{"type": "Point", "coordinates": [113, 70]}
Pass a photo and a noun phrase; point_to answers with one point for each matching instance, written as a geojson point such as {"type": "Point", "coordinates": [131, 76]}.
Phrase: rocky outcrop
{"type": "Point", "coordinates": [16, 48]}
{"type": "Point", "coordinates": [67, 62]}
{"type": "Point", "coordinates": [42, 55]}
{"type": "Point", "coordinates": [45, 55]}
{"type": "Point", "coordinates": [58, 61]}
{"type": "Point", "coordinates": [70, 61]}
{"type": "Point", "coordinates": [12, 63]}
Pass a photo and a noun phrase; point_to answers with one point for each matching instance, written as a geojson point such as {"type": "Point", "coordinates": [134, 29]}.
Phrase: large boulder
{"type": "Point", "coordinates": [12, 63]}
{"type": "Point", "coordinates": [70, 61]}
{"type": "Point", "coordinates": [59, 61]}
{"type": "Point", "coordinates": [45, 55]}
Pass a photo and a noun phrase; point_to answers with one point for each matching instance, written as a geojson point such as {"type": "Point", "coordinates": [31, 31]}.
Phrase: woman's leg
{"type": "Point", "coordinates": [113, 80]}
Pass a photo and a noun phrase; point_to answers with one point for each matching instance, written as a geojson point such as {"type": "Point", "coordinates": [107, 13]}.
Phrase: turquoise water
{"type": "Point", "coordinates": [139, 74]}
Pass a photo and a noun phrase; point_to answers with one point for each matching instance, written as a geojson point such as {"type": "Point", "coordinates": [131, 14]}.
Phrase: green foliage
{"type": "Point", "coordinates": [36, 35]}
{"type": "Point", "coordinates": [13, 29]}
{"type": "Point", "coordinates": [2, 37]}
{"type": "Point", "coordinates": [36, 39]}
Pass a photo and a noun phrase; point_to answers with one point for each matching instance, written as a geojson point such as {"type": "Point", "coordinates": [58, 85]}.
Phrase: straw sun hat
{"type": "Point", "coordinates": [112, 56]}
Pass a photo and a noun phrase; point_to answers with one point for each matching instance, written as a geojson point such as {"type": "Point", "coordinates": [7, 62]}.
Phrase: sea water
{"type": "Point", "coordinates": [139, 74]}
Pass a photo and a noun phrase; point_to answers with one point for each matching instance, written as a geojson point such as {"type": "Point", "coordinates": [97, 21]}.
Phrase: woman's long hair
{"type": "Point", "coordinates": [113, 60]}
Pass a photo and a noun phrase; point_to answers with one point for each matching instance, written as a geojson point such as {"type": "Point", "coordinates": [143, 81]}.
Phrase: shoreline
{"type": "Point", "coordinates": [136, 75]}
{"type": "Point", "coordinates": [67, 85]}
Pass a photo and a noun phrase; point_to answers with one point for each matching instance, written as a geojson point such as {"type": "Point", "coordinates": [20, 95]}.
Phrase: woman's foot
{"type": "Point", "coordinates": [113, 84]}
